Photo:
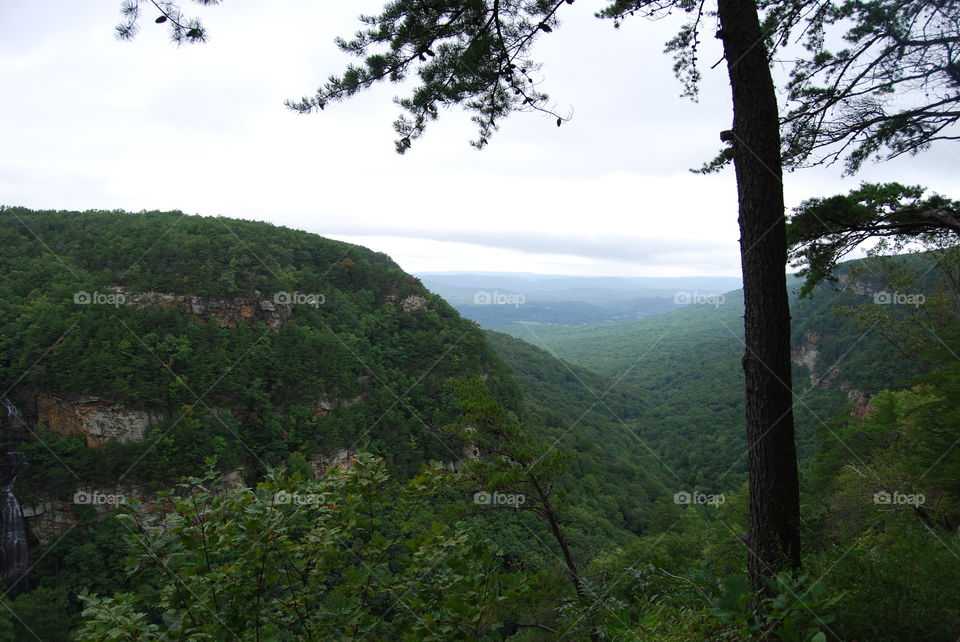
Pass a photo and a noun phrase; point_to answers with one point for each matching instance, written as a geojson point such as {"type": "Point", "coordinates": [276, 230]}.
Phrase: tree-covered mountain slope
{"type": "Point", "coordinates": [140, 345]}
{"type": "Point", "coordinates": [596, 496]}
{"type": "Point", "coordinates": [686, 366]}
{"type": "Point", "coordinates": [191, 337]}
{"type": "Point", "coordinates": [614, 476]}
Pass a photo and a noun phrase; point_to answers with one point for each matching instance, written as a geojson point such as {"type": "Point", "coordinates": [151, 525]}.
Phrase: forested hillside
{"type": "Point", "coordinates": [686, 366]}
{"type": "Point", "coordinates": [241, 431]}
{"type": "Point", "coordinates": [278, 325]}
{"type": "Point", "coordinates": [615, 475]}
{"type": "Point", "coordinates": [142, 347]}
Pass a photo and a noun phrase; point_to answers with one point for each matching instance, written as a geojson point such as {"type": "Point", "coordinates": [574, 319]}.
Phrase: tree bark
{"type": "Point", "coordinates": [773, 538]}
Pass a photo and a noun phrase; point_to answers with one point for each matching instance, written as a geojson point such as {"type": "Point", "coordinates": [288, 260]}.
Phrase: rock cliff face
{"type": "Point", "coordinates": [471, 453]}
{"type": "Point", "coordinates": [100, 420]}
{"type": "Point", "coordinates": [343, 459]}
{"type": "Point", "coordinates": [229, 312]}
{"type": "Point", "coordinates": [808, 356]}
{"type": "Point", "coordinates": [413, 303]}
{"type": "Point", "coordinates": [50, 517]}
{"type": "Point", "coordinates": [324, 405]}
{"type": "Point", "coordinates": [47, 520]}
{"type": "Point", "coordinates": [97, 419]}
{"type": "Point", "coordinates": [346, 458]}
{"type": "Point", "coordinates": [854, 286]}
{"type": "Point", "coordinates": [859, 399]}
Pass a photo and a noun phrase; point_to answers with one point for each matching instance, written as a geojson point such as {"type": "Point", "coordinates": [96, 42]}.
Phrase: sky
{"type": "Point", "coordinates": [90, 122]}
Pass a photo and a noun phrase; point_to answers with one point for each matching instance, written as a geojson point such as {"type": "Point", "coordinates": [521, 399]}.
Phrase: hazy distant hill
{"type": "Point", "coordinates": [686, 366]}
{"type": "Point", "coordinates": [503, 300]}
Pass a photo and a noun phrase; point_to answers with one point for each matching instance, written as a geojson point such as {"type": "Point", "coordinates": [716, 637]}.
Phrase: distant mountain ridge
{"type": "Point", "coordinates": [502, 300]}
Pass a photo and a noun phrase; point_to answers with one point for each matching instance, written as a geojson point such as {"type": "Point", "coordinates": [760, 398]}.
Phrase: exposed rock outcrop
{"type": "Point", "coordinates": [229, 312]}
{"type": "Point", "coordinates": [343, 459]}
{"type": "Point", "coordinates": [324, 405]}
{"type": "Point", "coordinates": [413, 303]}
{"type": "Point", "coordinates": [48, 518]}
{"type": "Point", "coordinates": [854, 286]}
{"type": "Point", "coordinates": [808, 356]}
{"type": "Point", "coordinates": [97, 419]}
{"type": "Point", "coordinates": [471, 452]}
{"type": "Point", "coordinates": [859, 399]}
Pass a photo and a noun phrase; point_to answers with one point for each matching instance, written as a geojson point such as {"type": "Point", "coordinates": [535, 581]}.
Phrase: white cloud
{"type": "Point", "coordinates": [90, 122]}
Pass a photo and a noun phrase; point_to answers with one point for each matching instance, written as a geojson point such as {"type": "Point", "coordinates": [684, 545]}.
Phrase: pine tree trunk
{"type": "Point", "coordinates": [774, 532]}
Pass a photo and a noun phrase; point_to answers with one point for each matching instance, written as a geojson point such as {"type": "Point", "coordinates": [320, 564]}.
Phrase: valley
{"type": "Point", "coordinates": [260, 363]}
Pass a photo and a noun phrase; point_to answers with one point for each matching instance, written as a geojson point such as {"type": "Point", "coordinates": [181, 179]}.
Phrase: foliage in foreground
{"type": "Point", "coordinates": [351, 555]}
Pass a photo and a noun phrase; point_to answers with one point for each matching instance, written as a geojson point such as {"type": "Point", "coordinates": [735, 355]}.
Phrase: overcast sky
{"type": "Point", "coordinates": [87, 121]}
